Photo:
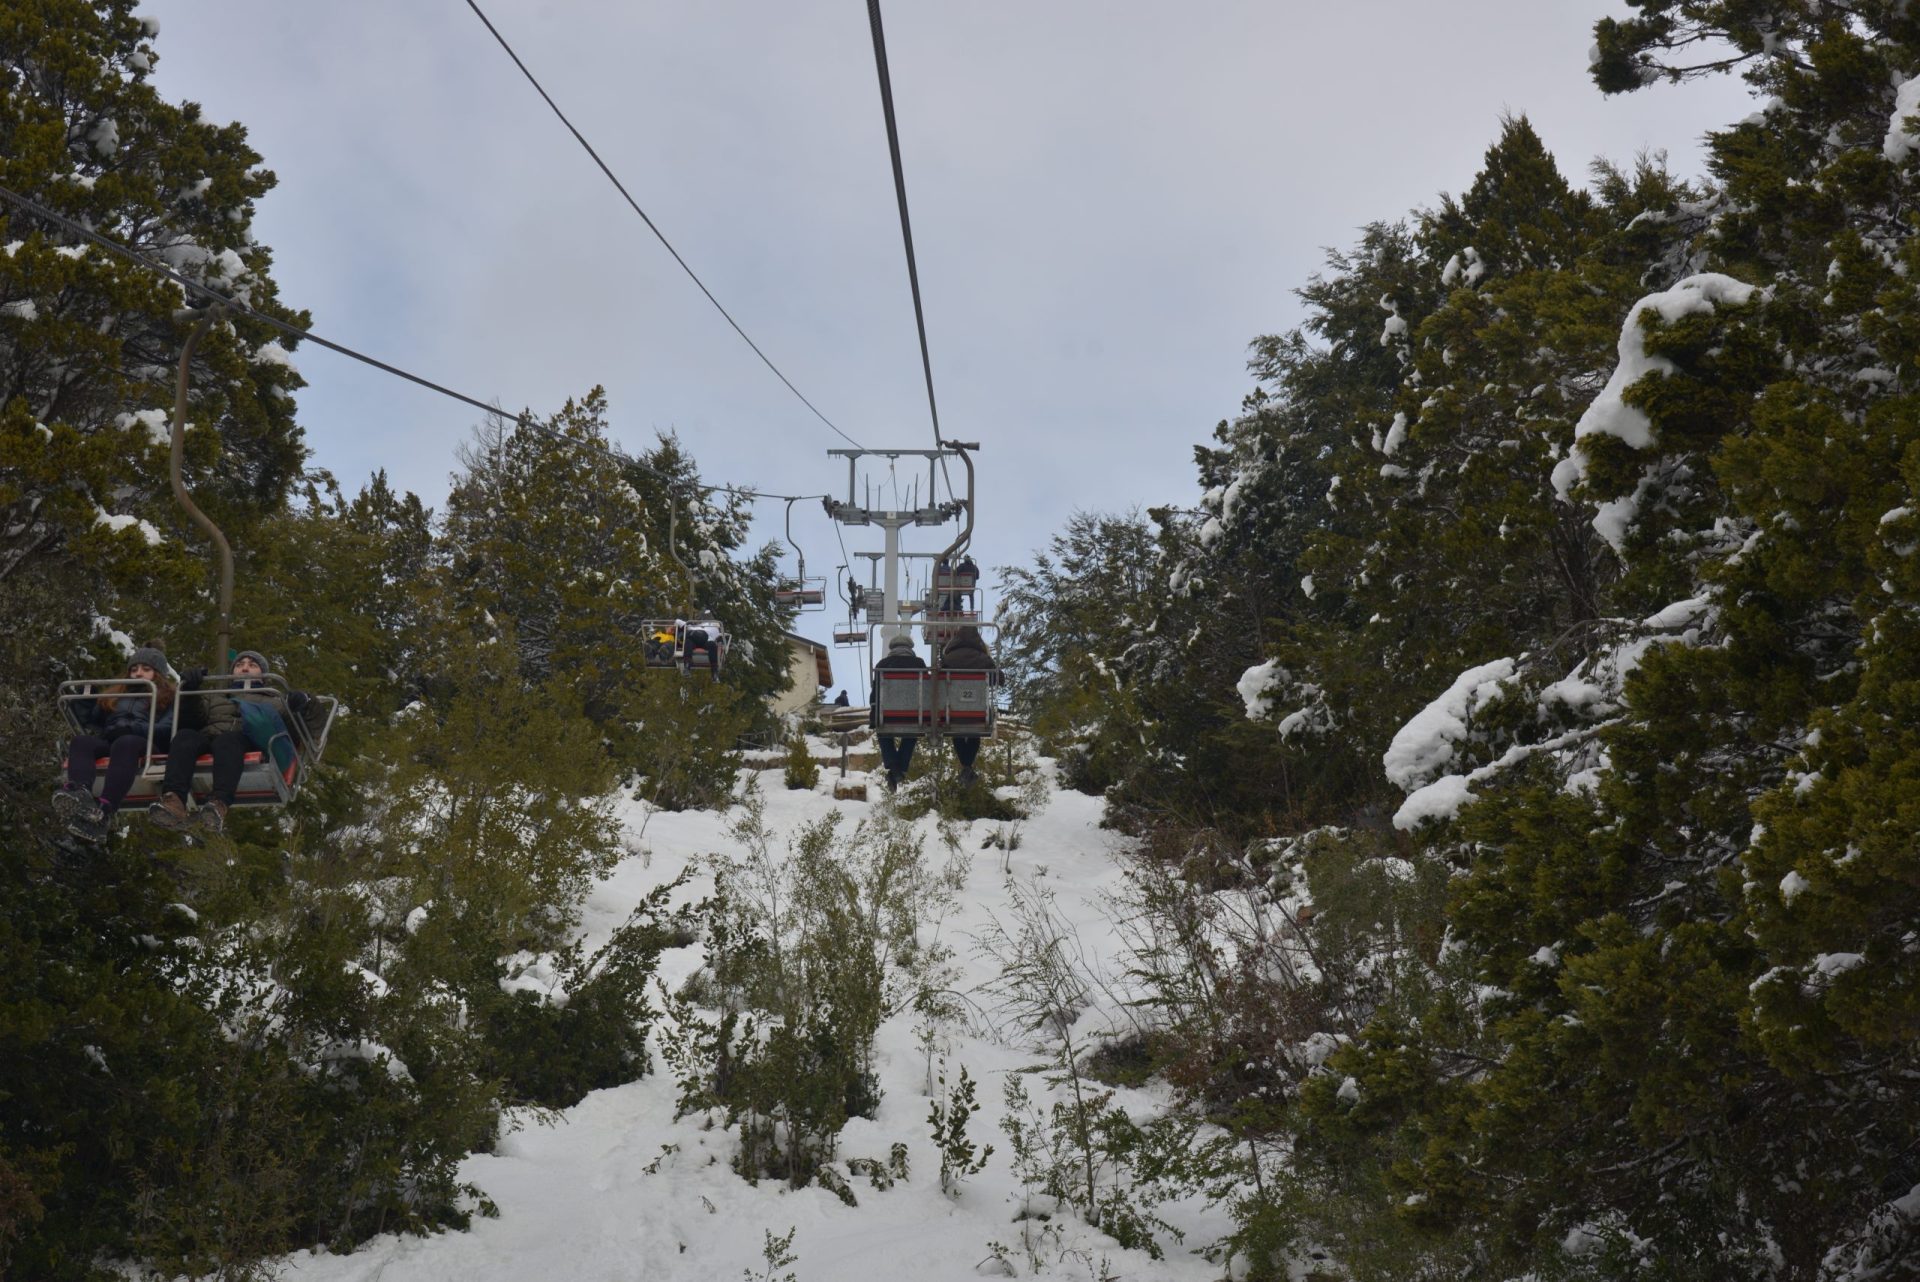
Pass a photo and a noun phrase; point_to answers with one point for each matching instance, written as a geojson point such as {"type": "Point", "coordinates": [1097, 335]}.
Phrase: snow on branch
{"type": "Point", "coordinates": [1609, 414]}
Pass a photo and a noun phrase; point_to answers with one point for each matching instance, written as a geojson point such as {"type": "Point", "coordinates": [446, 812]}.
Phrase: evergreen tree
{"type": "Point", "coordinates": [1067, 618]}
{"type": "Point", "coordinates": [89, 341]}
{"type": "Point", "coordinates": [551, 532]}
{"type": "Point", "coordinates": [1672, 936]}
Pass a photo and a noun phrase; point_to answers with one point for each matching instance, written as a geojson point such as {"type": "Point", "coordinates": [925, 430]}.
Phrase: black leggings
{"type": "Point", "coordinates": [967, 748]}
{"type": "Point", "coordinates": [229, 759]}
{"type": "Point", "coordinates": [125, 755]}
{"type": "Point", "coordinates": [896, 752]}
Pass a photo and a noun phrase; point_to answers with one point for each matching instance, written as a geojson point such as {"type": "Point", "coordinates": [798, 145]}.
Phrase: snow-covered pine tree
{"type": "Point", "coordinates": [552, 530]}
{"type": "Point", "coordinates": [1704, 930]}
{"type": "Point", "coordinates": [1068, 619]}
{"type": "Point", "coordinates": [90, 340]}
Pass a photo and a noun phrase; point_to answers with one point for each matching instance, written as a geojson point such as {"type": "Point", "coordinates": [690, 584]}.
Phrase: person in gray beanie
{"type": "Point", "coordinates": [967, 652]}
{"type": "Point", "coordinates": [214, 719]}
{"type": "Point", "coordinates": [896, 750]}
{"type": "Point", "coordinates": [123, 725]}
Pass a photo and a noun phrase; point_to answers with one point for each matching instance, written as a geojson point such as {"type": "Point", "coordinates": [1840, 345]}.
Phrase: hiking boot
{"type": "Point", "coordinates": [74, 805]}
{"type": "Point", "coordinates": [170, 812]}
{"type": "Point", "coordinates": [92, 825]}
{"type": "Point", "coordinates": [968, 775]}
{"type": "Point", "coordinates": [213, 816]}
{"type": "Point", "coordinates": [893, 780]}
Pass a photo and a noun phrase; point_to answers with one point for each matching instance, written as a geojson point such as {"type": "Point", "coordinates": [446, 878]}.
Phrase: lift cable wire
{"type": "Point", "coordinates": [865, 646]}
{"type": "Point", "coordinates": [900, 190]}
{"type": "Point", "coordinates": [195, 289]}
{"type": "Point", "coordinates": [906, 227]}
{"type": "Point", "coordinates": [621, 188]}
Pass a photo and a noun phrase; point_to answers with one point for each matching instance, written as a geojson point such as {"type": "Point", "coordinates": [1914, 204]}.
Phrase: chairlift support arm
{"type": "Point", "coordinates": [224, 629]}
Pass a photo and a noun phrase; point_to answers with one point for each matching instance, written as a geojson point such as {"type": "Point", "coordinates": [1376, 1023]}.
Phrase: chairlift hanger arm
{"type": "Point", "coordinates": [966, 536]}
{"type": "Point", "coordinates": [177, 454]}
{"type": "Point", "coordinates": [800, 557]}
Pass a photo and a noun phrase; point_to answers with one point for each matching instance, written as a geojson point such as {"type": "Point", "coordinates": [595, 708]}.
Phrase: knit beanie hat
{"type": "Point", "coordinates": [151, 656]}
{"type": "Point", "coordinates": [256, 656]}
{"type": "Point", "coordinates": [899, 643]}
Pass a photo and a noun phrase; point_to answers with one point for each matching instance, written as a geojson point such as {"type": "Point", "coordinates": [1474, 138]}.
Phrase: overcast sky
{"type": "Point", "coordinates": [1110, 199]}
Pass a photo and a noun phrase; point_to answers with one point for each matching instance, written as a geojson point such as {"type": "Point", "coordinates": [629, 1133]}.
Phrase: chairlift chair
{"type": "Point", "coordinates": [801, 591]}
{"type": "Point", "coordinates": [955, 702]}
{"type": "Point", "coordinates": [270, 777]}
{"type": "Point", "coordinates": [802, 594]}
{"type": "Point", "coordinates": [664, 645]}
{"type": "Point", "coordinates": [948, 577]}
{"type": "Point", "coordinates": [950, 607]}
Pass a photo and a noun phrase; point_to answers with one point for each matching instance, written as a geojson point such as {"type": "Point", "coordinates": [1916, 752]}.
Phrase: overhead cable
{"type": "Point", "coordinates": [900, 190]}
{"type": "Point", "coordinates": [621, 188]}
{"type": "Point", "coordinates": [195, 289]}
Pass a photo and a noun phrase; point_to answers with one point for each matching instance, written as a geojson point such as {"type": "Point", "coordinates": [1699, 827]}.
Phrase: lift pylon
{"type": "Point", "coordinates": [892, 521]}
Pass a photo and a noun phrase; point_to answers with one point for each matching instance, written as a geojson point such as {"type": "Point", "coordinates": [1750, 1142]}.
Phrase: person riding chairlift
{"type": "Point", "coordinates": [896, 751]}
{"type": "Point", "coordinates": [701, 634]}
{"type": "Point", "coordinates": [118, 723]}
{"type": "Point", "coordinates": [234, 713]}
{"type": "Point", "coordinates": [967, 652]}
{"type": "Point", "coordinates": [659, 645]}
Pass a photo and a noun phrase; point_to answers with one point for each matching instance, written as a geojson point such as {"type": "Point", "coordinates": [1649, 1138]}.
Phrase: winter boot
{"type": "Point", "coordinates": [93, 826]}
{"type": "Point", "coordinates": [73, 805]}
{"type": "Point", "coordinates": [170, 812]}
{"type": "Point", "coordinates": [213, 816]}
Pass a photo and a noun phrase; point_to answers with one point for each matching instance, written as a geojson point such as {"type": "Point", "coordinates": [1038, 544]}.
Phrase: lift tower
{"type": "Point", "coordinates": [933, 514]}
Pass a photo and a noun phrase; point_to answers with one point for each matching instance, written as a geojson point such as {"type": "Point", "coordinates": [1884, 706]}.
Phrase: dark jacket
{"type": "Point", "coordinates": [967, 652]}
{"type": "Point", "coordinates": [217, 709]}
{"type": "Point", "coordinates": [129, 716]}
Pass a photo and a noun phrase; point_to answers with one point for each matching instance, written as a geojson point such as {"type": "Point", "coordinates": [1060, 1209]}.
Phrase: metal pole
{"type": "Point", "coordinates": [891, 602]}
{"type": "Point", "coordinates": [225, 629]}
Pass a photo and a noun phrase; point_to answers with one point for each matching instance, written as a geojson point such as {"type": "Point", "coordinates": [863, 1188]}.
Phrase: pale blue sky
{"type": "Point", "coordinates": [1109, 200]}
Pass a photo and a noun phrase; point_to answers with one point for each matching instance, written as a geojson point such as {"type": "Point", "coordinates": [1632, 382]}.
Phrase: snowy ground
{"type": "Point", "coordinates": [577, 1202]}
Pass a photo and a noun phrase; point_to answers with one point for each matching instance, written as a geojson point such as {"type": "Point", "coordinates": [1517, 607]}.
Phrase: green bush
{"type": "Point", "coordinates": [808, 955]}
{"type": "Point", "coordinates": [551, 1053]}
{"type": "Point", "coordinates": [802, 770]}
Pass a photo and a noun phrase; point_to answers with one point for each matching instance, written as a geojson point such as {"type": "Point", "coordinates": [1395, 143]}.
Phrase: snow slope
{"type": "Point", "coordinates": [592, 1199]}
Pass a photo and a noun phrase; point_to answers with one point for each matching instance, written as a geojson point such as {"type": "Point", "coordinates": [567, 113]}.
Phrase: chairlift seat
{"type": "Point", "coordinates": [804, 593]}
{"type": "Point", "coordinates": [955, 580]}
{"type": "Point", "coordinates": [263, 781]}
{"type": "Point", "coordinates": [800, 596]}
{"type": "Point", "coordinates": [955, 702]}
{"type": "Point", "coordinates": [665, 646]}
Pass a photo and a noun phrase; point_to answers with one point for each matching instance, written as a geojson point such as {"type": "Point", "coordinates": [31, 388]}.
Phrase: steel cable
{"type": "Point", "coordinates": [621, 188]}
{"type": "Point", "coordinates": [195, 289]}
{"type": "Point", "coordinates": [900, 191]}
